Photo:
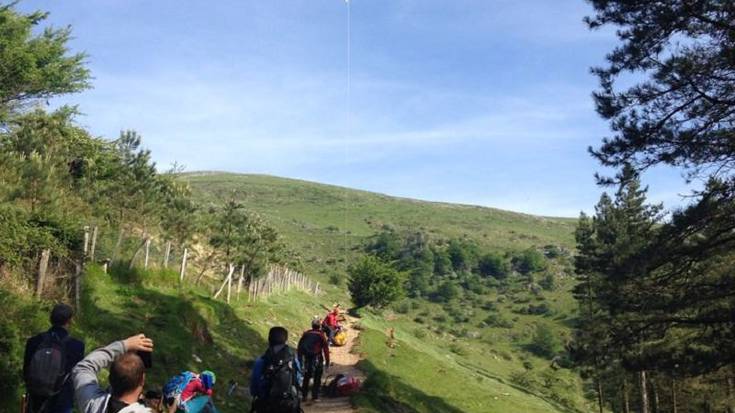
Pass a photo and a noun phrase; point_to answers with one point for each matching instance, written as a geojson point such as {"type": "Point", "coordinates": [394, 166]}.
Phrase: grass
{"type": "Point", "coordinates": [446, 359]}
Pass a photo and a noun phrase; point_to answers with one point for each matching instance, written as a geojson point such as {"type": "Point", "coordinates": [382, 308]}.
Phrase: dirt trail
{"type": "Point", "coordinates": [343, 362]}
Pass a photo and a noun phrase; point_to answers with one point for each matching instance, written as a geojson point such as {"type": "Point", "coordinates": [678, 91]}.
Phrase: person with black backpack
{"type": "Point", "coordinates": [276, 377]}
{"type": "Point", "coordinates": [47, 364]}
{"type": "Point", "coordinates": [313, 352]}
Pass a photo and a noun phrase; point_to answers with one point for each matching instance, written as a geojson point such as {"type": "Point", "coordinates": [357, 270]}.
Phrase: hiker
{"type": "Point", "coordinates": [127, 377]}
{"type": "Point", "coordinates": [276, 376]}
{"type": "Point", "coordinates": [190, 392]}
{"type": "Point", "coordinates": [331, 324]}
{"type": "Point", "coordinates": [313, 352]}
{"type": "Point", "coordinates": [47, 364]}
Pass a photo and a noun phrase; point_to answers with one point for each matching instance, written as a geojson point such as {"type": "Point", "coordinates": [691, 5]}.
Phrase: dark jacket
{"type": "Point", "coordinates": [74, 354]}
{"type": "Point", "coordinates": [318, 342]}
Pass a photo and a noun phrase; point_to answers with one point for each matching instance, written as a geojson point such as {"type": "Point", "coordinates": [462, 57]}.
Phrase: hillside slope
{"type": "Point", "coordinates": [323, 223]}
{"type": "Point", "coordinates": [436, 363]}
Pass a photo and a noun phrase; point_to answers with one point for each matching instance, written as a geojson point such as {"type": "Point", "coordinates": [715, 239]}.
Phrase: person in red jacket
{"type": "Point", "coordinates": [313, 353]}
{"type": "Point", "coordinates": [331, 324]}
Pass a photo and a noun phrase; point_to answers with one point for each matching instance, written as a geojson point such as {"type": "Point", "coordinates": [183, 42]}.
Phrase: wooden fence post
{"type": "Point", "coordinates": [182, 273]}
{"type": "Point", "coordinates": [93, 247]}
{"type": "Point", "coordinates": [227, 280]}
{"type": "Point", "coordinates": [78, 287]}
{"type": "Point", "coordinates": [167, 254]}
{"type": "Point", "coordinates": [239, 282]}
{"type": "Point", "coordinates": [147, 253]}
{"type": "Point", "coordinates": [85, 249]}
{"type": "Point", "coordinates": [42, 267]}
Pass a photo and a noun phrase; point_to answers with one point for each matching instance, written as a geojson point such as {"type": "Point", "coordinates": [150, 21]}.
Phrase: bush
{"type": "Point", "coordinates": [544, 343]}
{"type": "Point", "coordinates": [458, 349]}
{"type": "Point", "coordinates": [335, 280]}
{"type": "Point", "coordinates": [419, 320]}
{"type": "Point", "coordinates": [529, 261]}
{"type": "Point", "coordinates": [493, 265]}
{"type": "Point", "coordinates": [548, 282]}
{"type": "Point", "coordinates": [375, 283]}
{"type": "Point", "coordinates": [541, 309]}
{"type": "Point", "coordinates": [447, 291]}
{"type": "Point", "coordinates": [496, 320]}
{"type": "Point", "coordinates": [441, 318]}
{"type": "Point", "coordinates": [402, 307]}
{"type": "Point", "coordinates": [420, 333]}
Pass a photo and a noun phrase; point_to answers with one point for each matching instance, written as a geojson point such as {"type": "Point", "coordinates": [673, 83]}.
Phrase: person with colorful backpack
{"type": "Point", "coordinates": [190, 392]}
{"type": "Point", "coordinates": [47, 364]}
{"type": "Point", "coordinates": [313, 352]}
{"type": "Point", "coordinates": [276, 377]}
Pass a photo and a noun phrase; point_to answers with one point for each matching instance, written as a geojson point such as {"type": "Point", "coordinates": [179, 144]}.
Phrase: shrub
{"type": "Point", "coordinates": [420, 333]}
{"type": "Point", "coordinates": [335, 280]}
{"type": "Point", "coordinates": [402, 307]}
{"type": "Point", "coordinates": [447, 291]}
{"type": "Point", "coordinates": [529, 261]}
{"type": "Point", "coordinates": [496, 320]}
{"type": "Point", "coordinates": [493, 265]}
{"type": "Point", "coordinates": [544, 343]}
{"type": "Point", "coordinates": [458, 349]}
{"type": "Point", "coordinates": [548, 282]}
{"type": "Point", "coordinates": [441, 318]}
{"type": "Point", "coordinates": [373, 282]}
{"type": "Point", "coordinates": [541, 309]}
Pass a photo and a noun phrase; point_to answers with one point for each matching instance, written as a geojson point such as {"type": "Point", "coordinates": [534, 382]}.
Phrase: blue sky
{"type": "Point", "coordinates": [482, 102]}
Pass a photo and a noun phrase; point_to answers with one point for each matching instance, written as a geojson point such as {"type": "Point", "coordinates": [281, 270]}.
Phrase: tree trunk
{"type": "Point", "coordinates": [654, 391]}
{"type": "Point", "coordinates": [643, 383]}
{"type": "Point", "coordinates": [626, 396]}
{"type": "Point", "coordinates": [93, 247]}
{"type": "Point", "coordinates": [167, 254]}
{"type": "Point", "coordinates": [674, 407]}
{"type": "Point", "coordinates": [182, 273]}
{"type": "Point", "coordinates": [42, 268]}
{"type": "Point", "coordinates": [730, 386]}
{"type": "Point", "coordinates": [600, 402]}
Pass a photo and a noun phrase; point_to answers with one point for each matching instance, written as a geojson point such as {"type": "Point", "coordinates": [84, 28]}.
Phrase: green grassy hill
{"type": "Point", "coordinates": [323, 223]}
{"type": "Point", "coordinates": [447, 357]}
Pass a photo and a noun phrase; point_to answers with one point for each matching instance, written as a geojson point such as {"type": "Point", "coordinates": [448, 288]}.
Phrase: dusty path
{"type": "Point", "coordinates": [343, 362]}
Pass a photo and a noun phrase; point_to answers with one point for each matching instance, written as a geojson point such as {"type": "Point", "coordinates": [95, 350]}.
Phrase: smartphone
{"type": "Point", "coordinates": [147, 358]}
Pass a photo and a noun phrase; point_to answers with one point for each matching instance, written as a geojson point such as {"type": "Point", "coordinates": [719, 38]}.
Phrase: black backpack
{"type": "Point", "coordinates": [46, 372]}
{"type": "Point", "coordinates": [311, 343]}
{"type": "Point", "coordinates": [279, 374]}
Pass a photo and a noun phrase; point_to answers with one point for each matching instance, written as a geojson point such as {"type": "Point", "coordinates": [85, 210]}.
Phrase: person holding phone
{"type": "Point", "coordinates": [127, 377]}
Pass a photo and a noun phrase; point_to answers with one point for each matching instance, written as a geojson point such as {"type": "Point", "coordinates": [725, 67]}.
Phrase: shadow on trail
{"type": "Point", "coordinates": [380, 390]}
{"type": "Point", "coordinates": [190, 331]}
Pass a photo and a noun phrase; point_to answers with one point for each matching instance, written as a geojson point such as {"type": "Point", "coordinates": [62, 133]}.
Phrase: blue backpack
{"type": "Point", "coordinates": [175, 386]}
